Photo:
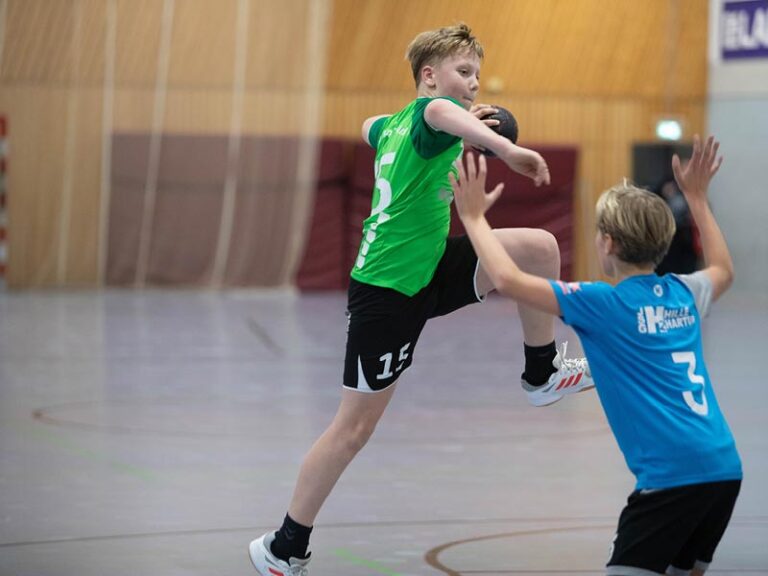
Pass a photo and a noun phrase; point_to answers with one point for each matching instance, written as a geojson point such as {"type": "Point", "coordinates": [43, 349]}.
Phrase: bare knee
{"type": "Point", "coordinates": [536, 251]}
{"type": "Point", "coordinates": [545, 249]}
{"type": "Point", "coordinates": [353, 436]}
{"type": "Point", "coordinates": [356, 419]}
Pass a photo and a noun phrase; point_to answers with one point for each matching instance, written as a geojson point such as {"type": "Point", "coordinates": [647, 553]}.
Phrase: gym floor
{"type": "Point", "coordinates": [157, 432]}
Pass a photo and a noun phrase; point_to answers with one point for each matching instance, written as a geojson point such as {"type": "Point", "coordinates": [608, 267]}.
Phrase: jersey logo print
{"type": "Point", "coordinates": [569, 287]}
{"type": "Point", "coordinates": [658, 319]}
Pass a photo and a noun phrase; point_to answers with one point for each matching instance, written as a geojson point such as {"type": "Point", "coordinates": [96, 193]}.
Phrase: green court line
{"type": "Point", "coordinates": [130, 469]}
{"type": "Point", "coordinates": [375, 566]}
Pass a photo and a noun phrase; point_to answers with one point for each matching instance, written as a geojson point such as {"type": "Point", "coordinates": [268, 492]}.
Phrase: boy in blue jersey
{"type": "Point", "coordinates": [642, 339]}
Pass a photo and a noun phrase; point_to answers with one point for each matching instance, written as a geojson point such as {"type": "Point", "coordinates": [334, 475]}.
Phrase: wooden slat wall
{"type": "Point", "coordinates": [539, 47]}
{"type": "Point", "coordinates": [52, 89]}
{"type": "Point", "coordinates": [588, 72]}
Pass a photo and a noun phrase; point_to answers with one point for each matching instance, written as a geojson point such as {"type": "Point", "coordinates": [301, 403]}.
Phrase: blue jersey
{"type": "Point", "coordinates": [642, 339]}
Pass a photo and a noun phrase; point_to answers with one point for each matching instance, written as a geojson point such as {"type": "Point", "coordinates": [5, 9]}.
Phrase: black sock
{"type": "Point", "coordinates": [538, 363]}
{"type": "Point", "coordinates": [292, 540]}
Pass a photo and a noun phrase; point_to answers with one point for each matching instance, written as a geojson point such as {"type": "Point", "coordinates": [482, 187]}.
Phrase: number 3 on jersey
{"type": "Point", "coordinates": [385, 199]}
{"type": "Point", "coordinates": [690, 358]}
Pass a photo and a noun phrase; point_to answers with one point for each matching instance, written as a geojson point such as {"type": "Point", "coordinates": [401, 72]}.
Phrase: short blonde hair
{"type": "Point", "coordinates": [639, 222]}
{"type": "Point", "coordinates": [432, 46]}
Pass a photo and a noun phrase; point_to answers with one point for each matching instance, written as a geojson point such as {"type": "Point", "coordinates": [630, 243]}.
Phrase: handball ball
{"type": "Point", "coordinates": [506, 127]}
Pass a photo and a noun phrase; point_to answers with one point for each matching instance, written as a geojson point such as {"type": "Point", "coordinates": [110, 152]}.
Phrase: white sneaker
{"type": "Point", "coordinates": [267, 564]}
{"type": "Point", "coordinates": [572, 376]}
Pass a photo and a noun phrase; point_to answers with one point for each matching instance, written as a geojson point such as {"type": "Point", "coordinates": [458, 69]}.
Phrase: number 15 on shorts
{"type": "Point", "coordinates": [387, 361]}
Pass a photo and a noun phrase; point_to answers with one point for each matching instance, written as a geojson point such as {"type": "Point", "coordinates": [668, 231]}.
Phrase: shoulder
{"type": "Point", "coordinates": [581, 295]}
{"type": "Point", "coordinates": [427, 140]}
{"type": "Point", "coordinates": [372, 128]}
{"type": "Point", "coordinates": [580, 288]}
{"type": "Point", "coordinates": [448, 101]}
{"type": "Point", "coordinates": [436, 105]}
{"type": "Point", "coordinates": [694, 281]}
{"type": "Point", "coordinates": [581, 302]}
{"type": "Point", "coordinates": [699, 284]}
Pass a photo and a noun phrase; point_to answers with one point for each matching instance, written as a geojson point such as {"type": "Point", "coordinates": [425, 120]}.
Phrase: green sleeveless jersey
{"type": "Point", "coordinates": [405, 235]}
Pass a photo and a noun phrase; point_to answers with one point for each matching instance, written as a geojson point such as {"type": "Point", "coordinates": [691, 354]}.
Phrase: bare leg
{"type": "Point", "coordinates": [355, 421]}
{"type": "Point", "coordinates": [536, 252]}
{"type": "Point", "coordinates": [694, 571]}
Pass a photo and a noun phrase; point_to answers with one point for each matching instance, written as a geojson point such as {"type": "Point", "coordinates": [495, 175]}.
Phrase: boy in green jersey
{"type": "Point", "coordinates": [408, 270]}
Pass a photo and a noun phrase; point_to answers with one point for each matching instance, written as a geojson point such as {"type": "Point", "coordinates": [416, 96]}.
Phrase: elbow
{"type": "Point", "coordinates": [728, 277]}
{"type": "Point", "coordinates": [365, 129]}
{"type": "Point", "coordinates": [722, 279]}
{"type": "Point", "coordinates": [726, 272]}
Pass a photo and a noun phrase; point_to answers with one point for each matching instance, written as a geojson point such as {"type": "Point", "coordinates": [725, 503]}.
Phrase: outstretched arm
{"type": "Point", "coordinates": [471, 203]}
{"type": "Point", "coordinates": [444, 115]}
{"type": "Point", "coordinates": [694, 180]}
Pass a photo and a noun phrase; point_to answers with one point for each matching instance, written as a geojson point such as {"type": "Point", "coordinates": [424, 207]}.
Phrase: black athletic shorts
{"type": "Point", "coordinates": [384, 324]}
{"type": "Point", "coordinates": [677, 528]}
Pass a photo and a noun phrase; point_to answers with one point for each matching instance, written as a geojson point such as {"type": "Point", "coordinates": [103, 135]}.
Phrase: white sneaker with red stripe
{"type": "Point", "coordinates": [267, 564]}
{"type": "Point", "coordinates": [572, 376]}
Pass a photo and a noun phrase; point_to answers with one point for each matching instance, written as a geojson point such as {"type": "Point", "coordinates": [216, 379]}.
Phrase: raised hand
{"type": "Point", "coordinates": [694, 177]}
{"type": "Point", "coordinates": [469, 192]}
{"type": "Point", "coordinates": [693, 180]}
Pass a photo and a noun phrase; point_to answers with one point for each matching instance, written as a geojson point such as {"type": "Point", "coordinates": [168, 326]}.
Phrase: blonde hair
{"type": "Point", "coordinates": [432, 46]}
{"type": "Point", "coordinates": [639, 222]}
